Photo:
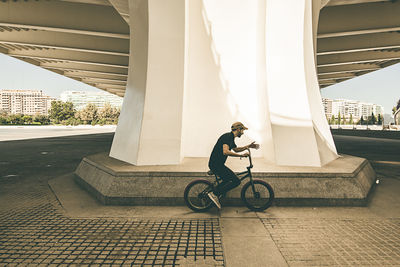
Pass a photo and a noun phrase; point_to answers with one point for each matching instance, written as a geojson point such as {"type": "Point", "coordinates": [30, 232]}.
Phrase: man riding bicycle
{"type": "Point", "coordinates": [220, 153]}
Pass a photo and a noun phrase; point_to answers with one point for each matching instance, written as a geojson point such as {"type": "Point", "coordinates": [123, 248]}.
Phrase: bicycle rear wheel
{"type": "Point", "coordinates": [195, 195]}
{"type": "Point", "coordinates": [260, 198]}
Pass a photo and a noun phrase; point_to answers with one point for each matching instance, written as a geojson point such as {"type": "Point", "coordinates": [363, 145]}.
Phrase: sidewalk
{"type": "Point", "coordinates": [47, 220]}
{"type": "Point", "coordinates": [9, 133]}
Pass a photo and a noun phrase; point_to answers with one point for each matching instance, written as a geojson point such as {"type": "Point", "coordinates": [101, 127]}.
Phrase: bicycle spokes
{"type": "Point", "coordinates": [257, 195]}
{"type": "Point", "coordinates": [196, 196]}
{"type": "Point", "coordinates": [257, 192]}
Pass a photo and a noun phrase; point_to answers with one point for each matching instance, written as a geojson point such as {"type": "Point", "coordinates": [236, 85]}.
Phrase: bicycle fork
{"type": "Point", "coordinates": [256, 194]}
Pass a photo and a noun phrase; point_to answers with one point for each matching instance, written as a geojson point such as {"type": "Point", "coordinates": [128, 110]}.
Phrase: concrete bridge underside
{"type": "Point", "coordinates": [88, 40]}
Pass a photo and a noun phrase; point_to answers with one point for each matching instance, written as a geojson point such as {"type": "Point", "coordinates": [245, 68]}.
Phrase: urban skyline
{"type": "Point", "coordinates": [35, 102]}
{"type": "Point", "coordinates": [32, 102]}
{"type": "Point", "coordinates": [350, 108]}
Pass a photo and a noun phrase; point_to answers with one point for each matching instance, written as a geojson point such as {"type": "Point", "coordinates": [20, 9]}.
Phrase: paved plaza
{"type": "Point", "coordinates": [47, 220]}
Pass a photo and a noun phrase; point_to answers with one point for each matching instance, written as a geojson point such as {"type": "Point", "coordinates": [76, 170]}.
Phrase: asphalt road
{"type": "Point", "coordinates": [383, 154]}
{"type": "Point", "coordinates": [377, 149]}
{"type": "Point", "coordinates": [46, 158]}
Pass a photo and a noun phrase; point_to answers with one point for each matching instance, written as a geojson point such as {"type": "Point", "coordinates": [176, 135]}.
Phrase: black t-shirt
{"type": "Point", "coordinates": [217, 157]}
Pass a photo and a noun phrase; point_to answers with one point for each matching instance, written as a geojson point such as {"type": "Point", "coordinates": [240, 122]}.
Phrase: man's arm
{"type": "Point", "coordinates": [252, 145]}
{"type": "Point", "coordinates": [227, 152]}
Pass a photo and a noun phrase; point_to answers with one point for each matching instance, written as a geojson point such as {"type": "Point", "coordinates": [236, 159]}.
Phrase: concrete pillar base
{"type": "Point", "coordinates": [346, 181]}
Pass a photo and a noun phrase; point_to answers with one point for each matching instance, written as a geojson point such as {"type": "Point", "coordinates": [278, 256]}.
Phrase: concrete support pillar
{"type": "Point", "coordinates": [221, 85]}
{"type": "Point", "coordinates": [300, 132]}
{"type": "Point", "coordinates": [150, 125]}
{"type": "Point", "coordinates": [197, 66]}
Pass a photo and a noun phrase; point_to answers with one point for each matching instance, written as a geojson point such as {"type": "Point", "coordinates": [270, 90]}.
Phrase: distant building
{"type": "Point", "coordinates": [397, 117]}
{"type": "Point", "coordinates": [327, 106]}
{"type": "Point", "coordinates": [81, 98]}
{"type": "Point", "coordinates": [352, 108]}
{"type": "Point", "coordinates": [27, 102]}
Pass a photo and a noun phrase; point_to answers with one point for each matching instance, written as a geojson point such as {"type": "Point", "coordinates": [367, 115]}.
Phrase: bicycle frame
{"type": "Point", "coordinates": [239, 174]}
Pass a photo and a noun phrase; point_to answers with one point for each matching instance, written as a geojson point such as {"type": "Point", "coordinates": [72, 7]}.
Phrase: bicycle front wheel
{"type": "Point", "coordinates": [260, 198]}
{"type": "Point", "coordinates": [196, 195]}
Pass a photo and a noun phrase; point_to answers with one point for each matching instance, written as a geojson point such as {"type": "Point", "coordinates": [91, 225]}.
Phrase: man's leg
{"type": "Point", "coordinates": [229, 180]}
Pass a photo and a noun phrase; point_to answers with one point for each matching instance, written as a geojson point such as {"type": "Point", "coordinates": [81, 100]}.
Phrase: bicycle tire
{"type": "Point", "coordinates": [263, 203]}
{"type": "Point", "coordinates": [198, 201]}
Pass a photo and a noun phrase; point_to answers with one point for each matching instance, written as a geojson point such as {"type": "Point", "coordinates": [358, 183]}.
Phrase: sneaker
{"type": "Point", "coordinates": [214, 199]}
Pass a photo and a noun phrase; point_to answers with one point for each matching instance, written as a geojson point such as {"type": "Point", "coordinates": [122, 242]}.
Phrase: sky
{"type": "Point", "coordinates": [18, 75]}
{"type": "Point", "coordinates": [380, 87]}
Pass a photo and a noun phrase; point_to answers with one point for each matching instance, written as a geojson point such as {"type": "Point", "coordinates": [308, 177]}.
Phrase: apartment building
{"type": "Point", "coordinates": [81, 98]}
{"type": "Point", "coordinates": [27, 102]}
{"type": "Point", "coordinates": [352, 108]}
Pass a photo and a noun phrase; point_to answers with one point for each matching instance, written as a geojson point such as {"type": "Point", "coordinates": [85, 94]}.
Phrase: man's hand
{"type": "Point", "coordinates": [254, 145]}
{"type": "Point", "coordinates": [245, 155]}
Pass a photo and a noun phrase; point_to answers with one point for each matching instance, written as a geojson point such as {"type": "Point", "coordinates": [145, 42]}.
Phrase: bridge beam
{"type": "Point", "coordinates": [64, 16]}
{"type": "Point", "coordinates": [343, 20]}
{"type": "Point", "coordinates": [66, 41]}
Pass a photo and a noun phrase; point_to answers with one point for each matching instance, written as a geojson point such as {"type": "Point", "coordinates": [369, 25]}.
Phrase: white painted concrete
{"type": "Point", "coordinates": [300, 132]}
{"type": "Point", "coordinates": [221, 83]}
{"type": "Point", "coordinates": [127, 136]}
{"type": "Point", "coordinates": [200, 65]}
{"type": "Point", "coordinates": [149, 131]}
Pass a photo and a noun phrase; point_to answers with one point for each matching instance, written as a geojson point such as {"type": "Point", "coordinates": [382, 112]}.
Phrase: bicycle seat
{"type": "Point", "coordinates": [210, 172]}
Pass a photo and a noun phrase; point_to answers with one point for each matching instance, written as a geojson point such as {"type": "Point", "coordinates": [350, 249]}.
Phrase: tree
{"type": "Point", "coordinates": [61, 111]}
{"type": "Point", "coordinates": [15, 119]}
{"type": "Point", "coordinates": [351, 119]}
{"type": "Point", "coordinates": [339, 118]}
{"type": "Point", "coordinates": [88, 115]}
{"type": "Point", "coordinates": [26, 119]}
{"type": "Point", "coordinates": [41, 119]}
{"type": "Point", "coordinates": [329, 120]}
{"type": "Point", "coordinates": [362, 120]}
{"type": "Point", "coordinates": [3, 119]}
{"type": "Point", "coordinates": [105, 114]}
{"type": "Point", "coordinates": [395, 108]}
{"type": "Point", "coordinates": [379, 119]}
{"type": "Point", "coordinates": [372, 119]}
{"type": "Point", "coordinates": [108, 114]}
{"type": "Point", "coordinates": [333, 119]}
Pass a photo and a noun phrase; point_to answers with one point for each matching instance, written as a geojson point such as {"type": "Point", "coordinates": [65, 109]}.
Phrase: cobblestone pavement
{"type": "Point", "coordinates": [340, 242]}
{"type": "Point", "coordinates": [34, 231]}
{"type": "Point", "coordinates": [34, 228]}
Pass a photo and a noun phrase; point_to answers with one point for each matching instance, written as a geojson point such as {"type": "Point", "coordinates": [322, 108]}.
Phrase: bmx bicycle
{"type": "Point", "coordinates": [256, 194]}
